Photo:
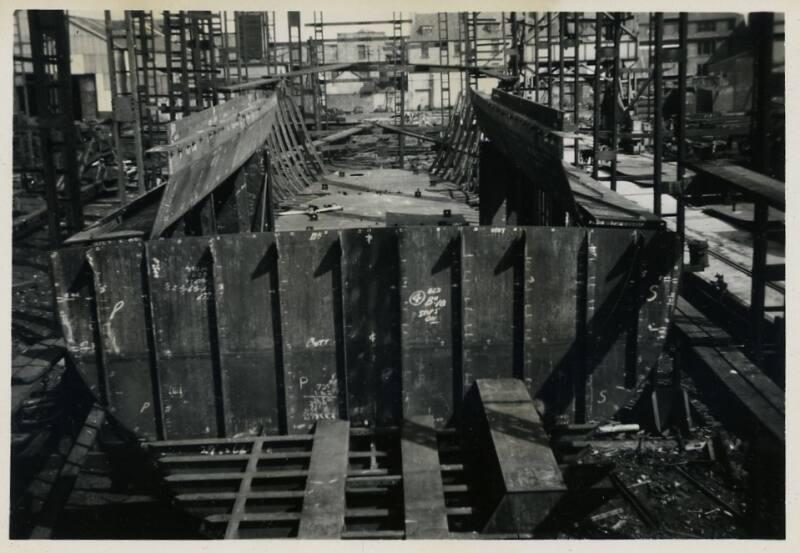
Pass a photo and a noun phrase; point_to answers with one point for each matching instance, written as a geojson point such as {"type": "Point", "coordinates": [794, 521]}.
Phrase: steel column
{"type": "Point", "coordinates": [683, 36]}
{"type": "Point", "coordinates": [761, 25]}
{"type": "Point", "coordinates": [617, 21]}
{"type": "Point", "coordinates": [536, 56]}
{"type": "Point", "coordinates": [133, 73]}
{"type": "Point", "coordinates": [762, 29]}
{"type": "Point", "coordinates": [576, 87]}
{"type": "Point", "coordinates": [658, 127]}
{"type": "Point", "coordinates": [549, 60]}
{"type": "Point", "coordinates": [112, 80]}
{"type": "Point", "coordinates": [49, 36]}
{"type": "Point", "coordinates": [598, 27]}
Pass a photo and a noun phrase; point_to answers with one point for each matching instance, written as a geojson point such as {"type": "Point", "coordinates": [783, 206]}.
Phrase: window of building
{"type": "Point", "coordinates": [705, 26]}
{"type": "Point", "coordinates": [457, 48]}
{"type": "Point", "coordinates": [426, 29]}
{"type": "Point", "coordinates": [424, 51]}
{"type": "Point", "coordinates": [362, 51]}
{"type": "Point", "coordinates": [706, 47]}
{"type": "Point", "coordinates": [702, 69]}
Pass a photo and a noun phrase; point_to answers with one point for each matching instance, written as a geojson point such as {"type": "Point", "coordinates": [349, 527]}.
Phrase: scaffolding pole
{"type": "Point", "coordinates": [658, 120]}
{"type": "Point", "coordinates": [598, 28]}
{"type": "Point", "coordinates": [133, 74]}
{"type": "Point", "coordinates": [50, 54]}
{"type": "Point", "coordinates": [112, 80]}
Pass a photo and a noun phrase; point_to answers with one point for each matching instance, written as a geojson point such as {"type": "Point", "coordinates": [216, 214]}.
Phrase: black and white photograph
{"type": "Point", "coordinates": [380, 272]}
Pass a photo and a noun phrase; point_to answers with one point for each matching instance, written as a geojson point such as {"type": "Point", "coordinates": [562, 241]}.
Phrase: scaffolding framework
{"type": "Point", "coordinates": [50, 53]}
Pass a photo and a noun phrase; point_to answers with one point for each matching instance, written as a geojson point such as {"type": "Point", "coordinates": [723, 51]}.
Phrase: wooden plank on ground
{"type": "Point", "coordinates": [430, 281]}
{"type": "Point", "coordinates": [246, 282]}
{"type": "Point", "coordinates": [182, 304]}
{"type": "Point", "coordinates": [755, 377]}
{"type": "Point", "coordinates": [691, 324]}
{"type": "Point", "coordinates": [372, 325]}
{"type": "Point", "coordinates": [555, 296]}
{"type": "Point", "coordinates": [734, 395]}
{"type": "Point", "coordinates": [696, 328]}
{"type": "Point", "coordinates": [423, 491]}
{"type": "Point", "coordinates": [124, 336]}
{"type": "Point", "coordinates": [74, 295]}
{"type": "Point", "coordinates": [309, 265]}
{"type": "Point", "coordinates": [323, 511]}
{"type": "Point", "coordinates": [492, 288]}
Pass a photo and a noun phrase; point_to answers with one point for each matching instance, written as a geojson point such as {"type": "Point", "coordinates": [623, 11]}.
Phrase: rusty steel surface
{"type": "Point", "coordinates": [245, 337]}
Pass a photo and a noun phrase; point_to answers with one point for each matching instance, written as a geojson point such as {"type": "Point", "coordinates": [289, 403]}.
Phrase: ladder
{"type": "Point", "coordinates": [177, 69]}
{"type": "Point", "coordinates": [444, 76]}
{"type": "Point", "coordinates": [147, 78]}
{"type": "Point", "coordinates": [205, 36]}
{"type": "Point", "coordinates": [229, 51]}
{"type": "Point", "coordinates": [396, 53]}
{"type": "Point", "coordinates": [472, 47]}
{"type": "Point", "coordinates": [24, 152]}
{"type": "Point", "coordinates": [319, 48]}
{"type": "Point", "coordinates": [399, 78]}
{"type": "Point", "coordinates": [272, 55]}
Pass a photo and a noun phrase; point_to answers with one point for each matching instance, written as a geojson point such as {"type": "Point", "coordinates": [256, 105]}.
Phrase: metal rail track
{"type": "Point", "coordinates": [739, 267]}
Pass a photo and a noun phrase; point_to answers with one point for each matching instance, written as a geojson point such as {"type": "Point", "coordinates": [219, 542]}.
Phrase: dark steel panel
{"type": "Point", "coordinates": [612, 268]}
{"type": "Point", "coordinates": [246, 280]}
{"type": "Point", "coordinates": [182, 304]}
{"type": "Point", "coordinates": [309, 265]}
{"type": "Point", "coordinates": [492, 287]}
{"type": "Point", "coordinates": [372, 325]}
{"type": "Point", "coordinates": [555, 296]}
{"type": "Point", "coordinates": [124, 337]}
{"type": "Point", "coordinates": [75, 301]}
{"type": "Point", "coordinates": [204, 158]}
{"type": "Point", "coordinates": [654, 298]}
{"type": "Point", "coordinates": [430, 283]}
{"type": "Point", "coordinates": [531, 146]}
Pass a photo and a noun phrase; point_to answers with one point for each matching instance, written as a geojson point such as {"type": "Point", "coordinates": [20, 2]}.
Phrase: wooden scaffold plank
{"type": "Point", "coordinates": [423, 491]}
{"type": "Point", "coordinates": [324, 504]}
